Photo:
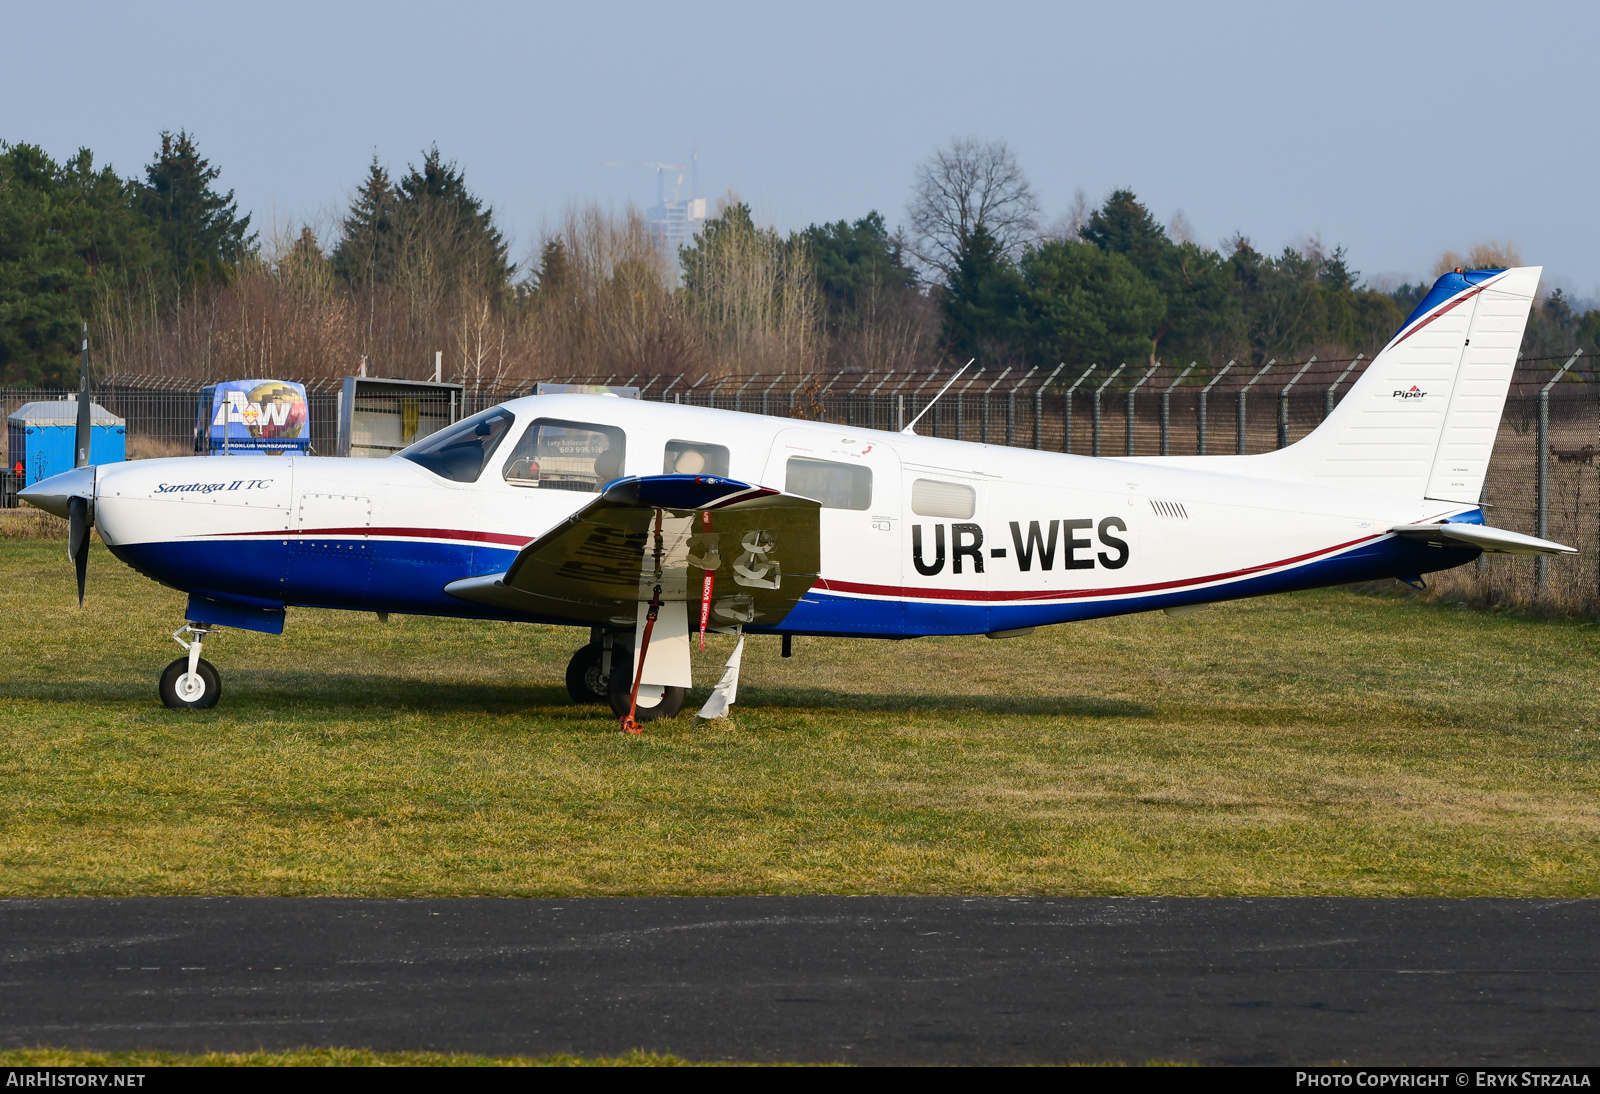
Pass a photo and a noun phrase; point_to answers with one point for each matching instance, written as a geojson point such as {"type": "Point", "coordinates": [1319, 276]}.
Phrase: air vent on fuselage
{"type": "Point", "coordinates": [1171, 510]}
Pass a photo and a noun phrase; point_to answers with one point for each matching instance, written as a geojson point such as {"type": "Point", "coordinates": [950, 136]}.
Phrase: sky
{"type": "Point", "coordinates": [1397, 130]}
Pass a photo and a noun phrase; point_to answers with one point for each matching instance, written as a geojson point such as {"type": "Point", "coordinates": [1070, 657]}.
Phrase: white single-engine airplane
{"type": "Point", "coordinates": [648, 522]}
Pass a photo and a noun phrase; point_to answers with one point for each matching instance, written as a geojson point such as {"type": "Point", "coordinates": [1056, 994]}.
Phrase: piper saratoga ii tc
{"type": "Point", "coordinates": [647, 523]}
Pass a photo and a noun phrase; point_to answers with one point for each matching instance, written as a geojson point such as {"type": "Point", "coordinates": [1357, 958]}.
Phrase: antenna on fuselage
{"type": "Point", "coordinates": [909, 430]}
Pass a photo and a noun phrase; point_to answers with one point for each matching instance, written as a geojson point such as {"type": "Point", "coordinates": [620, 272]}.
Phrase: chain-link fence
{"type": "Point", "coordinates": [1543, 480]}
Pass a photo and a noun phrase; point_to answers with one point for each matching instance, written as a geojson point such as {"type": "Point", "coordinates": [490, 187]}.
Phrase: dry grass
{"type": "Point", "coordinates": [144, 447]}
{"type": "Point", "coordinates": [1327, 743]}
{"type": "Point", "coordinates": [26, 522]}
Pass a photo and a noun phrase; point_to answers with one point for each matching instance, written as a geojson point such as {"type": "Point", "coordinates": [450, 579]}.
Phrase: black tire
{"type": "Point", "coordinates": [620, 689]}
{"type": "Point", "coordinates": [586, 683]}
{"type": "Point", "coordinates": [210, 685]}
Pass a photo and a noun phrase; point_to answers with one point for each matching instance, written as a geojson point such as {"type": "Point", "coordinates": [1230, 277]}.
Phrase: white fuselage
{"type": "Point", "coordinates": [952, 537]}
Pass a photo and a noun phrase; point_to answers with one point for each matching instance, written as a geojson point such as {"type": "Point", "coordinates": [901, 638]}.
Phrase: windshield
{"type": "Point", "coordinates": [461, 451]}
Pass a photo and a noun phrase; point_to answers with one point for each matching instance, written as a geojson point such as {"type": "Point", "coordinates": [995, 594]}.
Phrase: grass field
{"type": "Point", "coordinates": [1331, 743]}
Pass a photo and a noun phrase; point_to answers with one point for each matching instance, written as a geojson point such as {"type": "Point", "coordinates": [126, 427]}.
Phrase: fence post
{"type": "Point", "coordinates": [850, 399]}
{"type": "Point", "coordinates": [1128, 440]}
{"type": "Point", "coordinates": [766, 391]}
{"type": "Point", "coordinates": [1327, 396]}
{"type": "Point", "coordinates": [1011, 408]}
{"type": "Point", "coordinates": [1482, 562]}
{"type": "Point", "coordinates": [1541, 563]}
{"type": "Point", "coordinates": [984, 435]}
{"type": "Point", "coordinates": [916, 395]}
{"type": "Point", "coordinates": [738, 396]}
{"type": "Point", "coordinates": [823, 394]}
{"type": "Point", "coordinates": [961, 403]}
{"type": "Point", "coordinates": [1244, 391]}
{"type": "Point", "coordinates": [1166, 411]}
{"type": "Point", "coordinates": [1200, 419]}
{"type": "Point", "coordinates": [1038, 407]}
{"type": "Point", "coordinates": [1094, 448]}
{"type": "Point", "coordinates": [689, 393]}
{"type": "Point", "coordinates": [1283, 403]}
{"type": "Point", "coordinates": [872, 400]}
{"type": "Point", "coordinates": [1066, 410]}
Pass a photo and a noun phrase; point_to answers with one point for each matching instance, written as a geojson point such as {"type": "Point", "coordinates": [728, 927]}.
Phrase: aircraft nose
{"type": "Point", "coordinates": [52, 494]}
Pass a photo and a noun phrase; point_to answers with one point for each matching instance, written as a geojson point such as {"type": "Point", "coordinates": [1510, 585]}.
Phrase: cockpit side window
{"type": "Point", "coordinates": [695, 458]}
{"type": "Point", "coordinates": [560, 455]}
{"type": "Point", "coordinates": [461, 451]}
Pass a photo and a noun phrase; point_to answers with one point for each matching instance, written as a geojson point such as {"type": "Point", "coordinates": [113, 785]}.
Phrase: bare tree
{"type": "Point", "coordinates": [971, 184]}
{"type": "Point", "coordinates": [1068, 226]}
{"type": "Point", "coordinates": [1488, 255]}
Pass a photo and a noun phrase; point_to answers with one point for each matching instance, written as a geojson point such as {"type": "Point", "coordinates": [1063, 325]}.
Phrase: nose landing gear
{"type": "Point", "coordinates": [190, 683]}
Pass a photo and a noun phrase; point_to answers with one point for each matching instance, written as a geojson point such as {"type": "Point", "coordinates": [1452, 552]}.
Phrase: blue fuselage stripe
{"type": "Point", "coordinates": [408, 577]}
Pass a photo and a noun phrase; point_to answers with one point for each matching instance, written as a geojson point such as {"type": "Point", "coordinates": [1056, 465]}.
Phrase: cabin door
{"type": "Point", "coordinates": [857, 480]}
{"type": "Point", "coordinates": [950, 548]}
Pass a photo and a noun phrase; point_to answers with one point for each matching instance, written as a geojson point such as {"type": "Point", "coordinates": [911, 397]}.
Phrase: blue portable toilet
{"type": "Point", "coordinates": [42, 437]}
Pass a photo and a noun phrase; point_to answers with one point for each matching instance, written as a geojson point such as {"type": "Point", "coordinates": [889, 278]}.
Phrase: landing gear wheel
{"type": "Point", "coordinates": [620, 689]}
{"type": "Point", "coordinates": [180, 691]}
{"type": "Point", "coordinates": [586, 680]}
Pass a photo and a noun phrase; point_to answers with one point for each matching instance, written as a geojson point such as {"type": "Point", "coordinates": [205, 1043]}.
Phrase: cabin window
{"type": "Point", "coordinates": [835, 485]}
{"type": "Point", "coordinates": [557, 455]}
{"type": "Point", "coordinates": [694, 458]}
{"type": "Point", "coordinates": [462, 451]}
{"type": "Point", "coordinates": [932, 498]}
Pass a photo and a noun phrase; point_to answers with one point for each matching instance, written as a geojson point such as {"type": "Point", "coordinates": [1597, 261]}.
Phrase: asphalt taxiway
{"type": "Point", "coordinates": [860, 979]}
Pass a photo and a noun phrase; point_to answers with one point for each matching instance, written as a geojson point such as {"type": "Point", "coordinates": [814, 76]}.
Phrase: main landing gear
{"type": "Point", "coordinates": [190, 683]}
{"type": "Point", "coordinates": [588, 672]}
{"type": "Point", "coordinates": [602, 672]}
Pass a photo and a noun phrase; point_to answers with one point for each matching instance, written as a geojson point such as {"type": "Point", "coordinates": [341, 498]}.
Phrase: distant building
{"type": "Point", "coordinates": [679, 211]}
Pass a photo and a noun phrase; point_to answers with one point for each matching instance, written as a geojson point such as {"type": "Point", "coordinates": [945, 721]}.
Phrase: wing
{"type": "Point", "coordinates": [763, 546]}
{"type": "Point", "coordinates": [1491, 540]}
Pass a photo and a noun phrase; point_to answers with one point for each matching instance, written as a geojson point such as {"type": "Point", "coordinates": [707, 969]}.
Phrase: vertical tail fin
{"type": "Point", "coordinates": [1421, 421]}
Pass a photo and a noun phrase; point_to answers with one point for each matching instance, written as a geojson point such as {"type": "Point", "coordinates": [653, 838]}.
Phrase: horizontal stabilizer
{"type": "Point", "coordinates": [1493, 540]}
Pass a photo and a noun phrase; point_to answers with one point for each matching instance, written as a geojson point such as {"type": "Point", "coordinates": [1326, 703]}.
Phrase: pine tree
{"type": "Point", "coordinates": [366, 248]}
{"type": "Point", "coordinates": [441, 216]}
{"type": "Point", "coordinates": [554, 270]}
{"type": "Point", "coordinates": [982, 301]}
{"type": "Point", "coordinates": [1199, 306]}
{"type": "Point", "coordinates": [68, 233]}
{"type": "Point", "coordinates": [199, 229]}
{"type": "Point", "coordinates": [426, 229]}
{"type": "Point", "coordinates": [1086, 305]}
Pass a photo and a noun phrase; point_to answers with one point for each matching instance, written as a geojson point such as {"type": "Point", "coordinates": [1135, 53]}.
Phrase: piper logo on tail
{"type": "Point", "coordinates": [1414, 392]}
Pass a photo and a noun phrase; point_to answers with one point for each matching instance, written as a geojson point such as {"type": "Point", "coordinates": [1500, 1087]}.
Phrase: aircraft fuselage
{"type": "Point", "coordinates": [923, 535]}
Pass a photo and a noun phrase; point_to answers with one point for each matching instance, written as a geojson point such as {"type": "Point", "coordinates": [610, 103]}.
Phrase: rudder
{"type": "Point", "coordinates": [1421, 421]}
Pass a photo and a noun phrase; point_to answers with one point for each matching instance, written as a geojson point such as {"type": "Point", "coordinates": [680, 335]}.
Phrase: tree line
{"type": "Point", "coordinates": [175, 281]}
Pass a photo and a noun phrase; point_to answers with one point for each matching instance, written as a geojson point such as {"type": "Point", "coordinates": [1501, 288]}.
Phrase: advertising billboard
{"type": "Point", "coordinates": [254, 416]}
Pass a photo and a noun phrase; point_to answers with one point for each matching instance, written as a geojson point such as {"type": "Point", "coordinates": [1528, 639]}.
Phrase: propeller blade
{"type": "Point", "coordinates": [78, 540]}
